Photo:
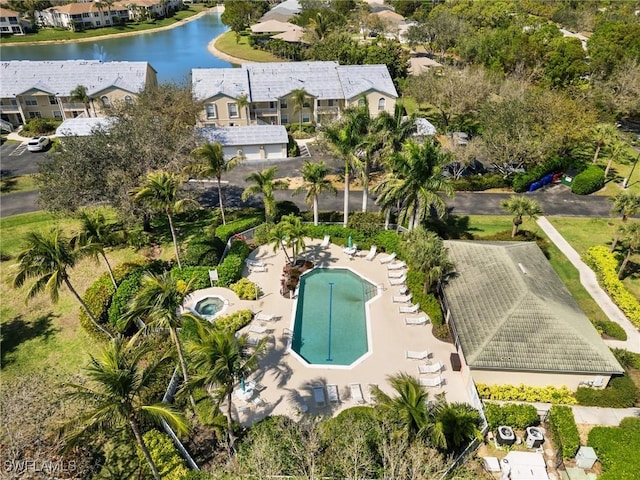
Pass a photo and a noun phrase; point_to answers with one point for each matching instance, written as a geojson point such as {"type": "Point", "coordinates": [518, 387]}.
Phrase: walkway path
{"type": "Point", "coordinates": [590, 283]}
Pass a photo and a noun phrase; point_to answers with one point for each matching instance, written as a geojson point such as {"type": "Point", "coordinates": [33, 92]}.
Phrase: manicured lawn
{"type": "Point", "coordinates": [227, 44]}
{"type": "Point", "coordinates": [617, 449]}
{"type": "Point", "coordinates": [50, 34]}
{"type": "Point", "coordinates": [619, 171]}
{"type": "Point", "coordinates": [23, 183]}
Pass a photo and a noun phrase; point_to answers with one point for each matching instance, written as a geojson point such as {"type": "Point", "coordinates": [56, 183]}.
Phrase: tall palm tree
{"type": "Point", "coordinates": [456, 423]}
{"type": "Point", "coordinates": [299, 97]}
{"type": "Point", "coordinates": [47, 258]}
{"type": "Point", "coordinates": [158, 302]}
{"type": "Point", "coordinates": [603, 134]}
{"type": "Point", "coordinates": [213, 164]}
{"type": "Point", "coordinates": [221, 360]}
{"type": "Point", "coordinates": [428, 255]}
{"type": "Point", "coordinates": [345, 138]}
{"type": "Point", "coordinates": [625, 204]}
{"type": "Point", "coordinates": [294, 231]}
{"type": "Point", "coordinates": [79, 94]}
{"type": "Point", "coordinates": [415, 182]}
{"type": "Point", "coordinates": [278, 237]}
{"type": "Point", "coordinates": [244, 103]}
{"type": "Point", "coordinates": [631, 241]}
{"type": "Point", "coordinates": [617, 149]}
{"type": "Point", "coordinates": [315, 183]}
{"type": "Point", "coordinates": [117, 395]}
{"type": "Point", "coordinates": [97, 232]}
{"type": "Point", "coordinates": [520, 206]}
{"type": "Point", "coordinates": [160, 192]}
{"type": "Point", "coordinates": [264, 184]}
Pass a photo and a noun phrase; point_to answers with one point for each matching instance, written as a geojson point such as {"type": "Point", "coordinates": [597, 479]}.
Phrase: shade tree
{"type": "Point", "coordinates": [625, 204]}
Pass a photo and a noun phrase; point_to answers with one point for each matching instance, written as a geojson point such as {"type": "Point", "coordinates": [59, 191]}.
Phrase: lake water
{"type": "Point", "coordinates": [172, 53]}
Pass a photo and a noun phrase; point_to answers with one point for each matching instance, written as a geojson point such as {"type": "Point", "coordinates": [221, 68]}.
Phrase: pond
{"type": "Point", "coordinates": [172, 53]}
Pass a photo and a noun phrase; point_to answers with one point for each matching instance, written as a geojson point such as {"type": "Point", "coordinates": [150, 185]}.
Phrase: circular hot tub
{"type": "Point", "coordinates": [209, 307]}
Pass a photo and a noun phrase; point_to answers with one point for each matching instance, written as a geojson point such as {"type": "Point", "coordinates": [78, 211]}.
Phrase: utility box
{"type": "Point", "coordinates": [456, 364]}
{"type": "Point", "coordinates": [534, 437]}
{"type": "Point", "coordinates": [586, 457]}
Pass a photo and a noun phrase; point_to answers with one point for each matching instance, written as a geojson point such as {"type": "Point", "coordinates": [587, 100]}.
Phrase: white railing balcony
{"type": "Point", "coordinates": [9, 109]}
{"type": "Point", "coordinates": [73, 106]}
{"type": "Point", "coordinates": [327, 109]}
{"type": "Point", "coordinates": [265, 111]}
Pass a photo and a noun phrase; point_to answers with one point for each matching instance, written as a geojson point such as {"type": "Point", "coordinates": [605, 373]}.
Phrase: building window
{"type": "Point", "coordinates": [285, 119]}
{"type": "Point", "coordinates": [211, 110]}
{"type": "Point", "coordinates": [233, 110]}
{"type": "Point", "coordinates": [57, 114]}
{"type": "Point", "coordinates": [85, 15]}
{"type": "Point", "coordinates": [96, 14]}
{"type": "Point", "coordinates": [35, 115]}
{"type": "Point", "coordinates": [306, 118]}
{"type": "Point", "coordinates": [52, 100]}
{"type": "Point", "coordinates": [381, 104]}
{"type": "Point", "coordinates": [105, 100]}
{"type": "Point", "coordinates": [128, 99]}
{"type": "Point", "coordinates": [31, 101]}
{"type": "Point", "coordinates": [362, 102]}
{"type": "Point", "coordinates": [272, 105]}
{"type": "Point", "coordinates": [97, 23]}
{"type": "Point", "coordinates": [330, 103]}
{"type": "Point", "coordinates": [283, 103]}
{"type": "Point", "coordinates": [14, 102]}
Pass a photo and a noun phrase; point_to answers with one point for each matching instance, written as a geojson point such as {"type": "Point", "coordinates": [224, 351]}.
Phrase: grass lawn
{"type": "Point", "coordinates": [50, 34]}
{"type": "Point", "coordinates": [227, 44]}
{"type": "Point", "coordinates": [615, 447]}
{"type": "Point", "coordinates": [22, 183]}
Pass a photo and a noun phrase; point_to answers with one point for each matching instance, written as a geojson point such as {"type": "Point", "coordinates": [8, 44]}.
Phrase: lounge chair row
{"type": "Point", "coordinates": [320, 397]}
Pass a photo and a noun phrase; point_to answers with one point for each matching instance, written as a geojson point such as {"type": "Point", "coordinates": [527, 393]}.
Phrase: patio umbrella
{"type": "Point", "coordinates": [242, 385]}
{"type": "Point", "coordinates": [349, 241]}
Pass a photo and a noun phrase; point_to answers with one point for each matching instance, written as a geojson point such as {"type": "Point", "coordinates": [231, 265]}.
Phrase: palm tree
{"type": "Point", "coordinates": [221, 360]}
{"type": "Point", "coordinates": [97, 232]}
{"type": "Point", "coordinates": [79, 94]}
{"type": "Point", "coordinates": [415, 182]}
{"type": "Point", "coordinates": [158, 302]}
{"type": "Point", "coordinates": [160, 193]}
{"type": "Point", "coordinates": [345, 137]}
{"type": "Point", "coordinates": [299, 97]}
{"type": "Point", "coordinates": [279, 238]}
{"type": "Point", "coordinates": [315, 182]}
{"type": "Point", "coordinates": [318, 27]}
{"type": "Point", "coordinates": [294, 231]}
{"type": "Point", "coordinates": [456, 423]}
{"type": "Point", "coordinates": [120, 384]}
{"type": "Point", "coordinates": [626, 204]}
{"type": "Point", "coordinates": [48, 258]}
{"type": "Point", "coordinates": [213, 164]}
{"type": "Point", "coordinates": [631, 241]}
{"type": "Point", "coordinates": [428, 255]}
{"type": "Point", "coordinates": [617, 148]}
{"type": "Point", "coordinates": [264, 184]}
{"type": "Point", "coordinates": [519, 206]}
{"type": "Point", "coordinates": [244, 103]}
{"type": "Point", "coordinates": [603, 134]}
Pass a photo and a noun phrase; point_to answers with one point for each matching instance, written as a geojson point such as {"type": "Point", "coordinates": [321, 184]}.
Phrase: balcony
{"type": "Point", "coordinates": [266, 111]}
{"type": "Point", "coordinates": [323, 110]}
{"type": "Point", "coordinates": [9, 109]}
{"type": "Point", "coordinates": [73, 106]}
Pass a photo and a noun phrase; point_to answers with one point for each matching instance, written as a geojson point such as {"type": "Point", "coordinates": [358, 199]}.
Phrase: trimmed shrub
{"type": "Point", "coordinates": [339, 234]}
{"type": "Point", "coordinates": [203, 251]}
{"type": "Point", "coordinates": [230, 270]}
{"type": "Point", "coordinates": [225, 232]}
{"type": "Point", "coordinates": [246, 289]}
{"type": "Point", "coordinates": [369, 223]}
{"type": "Point", "coordinates": [199, 276]}
{"type": "Point", "coordinates": [522, 181]}
{"type": "Point", "coordinates": [588, 181]}
{"type": "Point", "coordinates": [234, 321]}
{"type": "Point", "coordinates": [428, 302]}
{"type": "Point", "coordinates": [40, 126]}
{"type": "Point", "coordinates": [521, 236]}
{"type": "Point", "coordinates": [620, 393]}
{"type": "Point", "coordinates": [564, 429]}
{"type": "Point", "coordinates": [617, 449]}
{"type": "Point", "coordinates": [605, 265]}
{"type": "Point", "coordinates": [517, 415]}
{"type": "Point", "coordinates": [169, 463]}
{"type": "Point", "coordinates": [323, 217]}
{"type": "Point", "coordinates": [292, 147]}
{"type": "Point", "coordinates": [525, 393]}
{"type": "Point", "coordinates": [286, 207]}
{"type": "Point", "coordinates": [611, 329]}
{"type": "Point", "coordinates": [478, 183]}
{"type": "Point", "coordinates": [261, 234]}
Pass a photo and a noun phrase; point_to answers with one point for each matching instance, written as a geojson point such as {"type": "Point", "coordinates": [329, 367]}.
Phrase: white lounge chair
{"type": "Point", "coordinates": [410, 308]}
{"type": "Point", "coordinates": [422, 320]}
{"type": "Point", "coordinates": [318, 396]}
{"type": "Point", "coordinates": [418, 355]}
{"type": "Point", "coordinates": [430, 368]}
{"type": "Point", "coordinates": [265, 317]}
{"type": "Point", "coordinates": [332, 393]}
{"type": "Point", "coordinates": [257, 268]}
{"type": "Point", "coordinates": [258, 401]}
{"type": "Point", "coordinates": [351, 251]}
{"type": "Point", "coordinates": [403, 290]}
{"type": "Point", "coordinates": [388, 258]}
{"type": "Point", "coordinates": [396, 273]}
{"type": "Point", "coordinates": [370, 392]}
{"type": "Point", "coordinates": [402, 298]}
{"type": "Point", "coordinates": [255, 386]}
{"type": "Point", "coordinates": [325, 241]}
{"type": "Point", "coordinates": [253, 341]}
{"type": "Point", "coordinates": [372, 253]}
{"type": "Point", "coordinates": [356, 393]}
{"type": "Point", "coordinates": [252, 262]}
{"type": "Point", "coordinates": [396, 265]}
{"type": "Point", "coordinates": [398, 281]}
{"type": "Point", "coordinates": [257, 329]}
{"type": "Point", "coordinates": [432, 382]}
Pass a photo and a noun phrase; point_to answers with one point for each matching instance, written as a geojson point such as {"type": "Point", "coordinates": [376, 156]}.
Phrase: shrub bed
{"type": "Point", "coordinates": [203, 251]}
{"type": "Point", "coordinates": [605, 265]}
{"type": "Point", "coordinates": [198, 275]}
{"type": "Point", "coordinates": [478, 183]}
{"type": "Point", "coordinates": [225, 232]}
{"type": "Point", "coordinates": [611, 329]}
{"type": "Point", "coordinates": [588, 181]}
{"type": "Point", "coordinates": [525, 393]}
{"type": "Point", "coordinates": [169, 463]}
{"type": "Point", "coordinates": [617, 449]}
{"type": "Point", "coordinates": [620, 393]}
{"type": "Point", "coordinates": [518, 415]}
{"type": "Point", "coordinates": [428, 302]}
{"type": "Point", "coordinates": [564, 429]}
{"type": "Point", "coordinates": [246, 289]}
{"type": "Point", "coordinates": [230, 270]}
{"type": "Point", "coordinates": [234, 321]}
{"type": "Point", "coordinates": [522, 181]}
{"type": "Point", "coordinates": [368, 223]}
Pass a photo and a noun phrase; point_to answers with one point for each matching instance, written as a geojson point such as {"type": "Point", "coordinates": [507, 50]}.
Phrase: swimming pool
{"type": "Point", "coordinates": [330, 323]}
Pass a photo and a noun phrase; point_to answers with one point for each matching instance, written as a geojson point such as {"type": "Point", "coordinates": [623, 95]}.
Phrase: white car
{"type": "Point", "coordinates": [38, 144]}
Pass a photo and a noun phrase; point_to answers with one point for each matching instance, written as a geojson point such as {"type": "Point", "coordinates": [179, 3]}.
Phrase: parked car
{"type": "Point", "coordinates": [38, 144]}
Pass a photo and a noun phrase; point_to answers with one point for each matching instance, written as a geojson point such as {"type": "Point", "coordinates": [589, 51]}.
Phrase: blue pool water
{"type": "Point", "coordinates": [336, 335]}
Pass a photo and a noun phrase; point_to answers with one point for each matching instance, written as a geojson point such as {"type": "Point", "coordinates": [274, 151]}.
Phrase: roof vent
{"type": "Point", "coordinates": [522, 269]}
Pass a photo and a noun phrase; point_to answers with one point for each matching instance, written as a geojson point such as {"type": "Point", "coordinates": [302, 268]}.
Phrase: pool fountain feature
{"type": "Point", "coordinates": [209, 307]}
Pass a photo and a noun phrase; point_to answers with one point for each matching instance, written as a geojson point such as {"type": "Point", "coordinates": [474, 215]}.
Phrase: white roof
{"type": "Point", "coordinates": [359, 79]}
{"type": "Point", "coordinates": [243, 136]}
{"type": "Point", "coordinates": [81, 126]}
{"type": "Point", "coordinates": [209, 82]}
{"type": "Point", "coordinates": [269, 26]}
{"type": "Point", "coordinates": [60, 77]}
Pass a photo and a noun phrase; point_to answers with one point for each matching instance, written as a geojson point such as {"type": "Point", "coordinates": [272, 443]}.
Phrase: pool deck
{"type": "Point", "coordinates": [288, 382]}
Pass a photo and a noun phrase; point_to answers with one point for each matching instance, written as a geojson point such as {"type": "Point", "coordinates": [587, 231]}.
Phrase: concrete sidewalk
{"type": "Point", "coordinates": [591, 285]}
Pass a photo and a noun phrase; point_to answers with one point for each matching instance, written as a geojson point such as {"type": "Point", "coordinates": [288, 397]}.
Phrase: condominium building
{"type": "Point", "coordinates": [11, 22]}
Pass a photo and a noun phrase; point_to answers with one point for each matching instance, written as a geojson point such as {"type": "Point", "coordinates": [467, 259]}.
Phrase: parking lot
{"type": "Point", "coordinates": [16, 160]}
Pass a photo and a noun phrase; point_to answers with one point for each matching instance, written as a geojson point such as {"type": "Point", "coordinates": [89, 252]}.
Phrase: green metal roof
{"type": "Point", "coordinates": [512, 312]}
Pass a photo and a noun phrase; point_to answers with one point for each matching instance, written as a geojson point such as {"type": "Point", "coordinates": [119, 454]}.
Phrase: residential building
{"type": "Point", "coordinates": [42, 89]}
{"type": "Point", "coordinates": [269, 89]}
{"type": "Point", "coordinates": [514, 322]}
{"type": "Point", "coordinates": [253, 143]}
{"type": "Point", "coordinates": [11, 22]}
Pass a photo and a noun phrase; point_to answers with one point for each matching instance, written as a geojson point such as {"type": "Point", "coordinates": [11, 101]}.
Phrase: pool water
{"type": "Point", "coordinates": [336, 335]}
{"type": "Point", "coordinates": [209, 306]}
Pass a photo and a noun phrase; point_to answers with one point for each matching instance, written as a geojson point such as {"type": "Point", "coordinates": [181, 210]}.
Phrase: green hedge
{"type": "Point", "coordinates": [617, 449]}
{"type": "Point", "coordinates": [428, 302]}
{"type": "Point", "coordinates": [225, 232]}
{"type": "Point", "coordinates": [620, 393]}
{"type": "Point", "coordinates": [367, 223]}
{"type": "Point", "coordinates": [169, 463]}
{"type": "Point", "coordinates": [292, 147]}
{"type": "Point", "coordinates": [230, 270]}
{"type": "Point", "coordinates": [517, 415]}
{"type": "Point", "coordinates": [203, 251]}
{"type": "Point", "coordinates": [246, 289]}
{"type": "Point", "coordinates": [564, 429]}
{"type": "Point", "coordinates": [234, 321]}
{"type": "Point", "coordinates": [199, 276]}
{"type": "Point", "coordinates": [611, 329]}
{"type": "Point", "coordinates": [526, 393]}
{"type": "Point", "coordinates": [522, 181]}
{"type": "Point", "coordinates": [605, 265]}
{"type": "Point", "coordinates": [387, 241]}
{"type": "Point", "coordinates": [478, 183]}
{"type": "Point", "coordinates": [588, 181]}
